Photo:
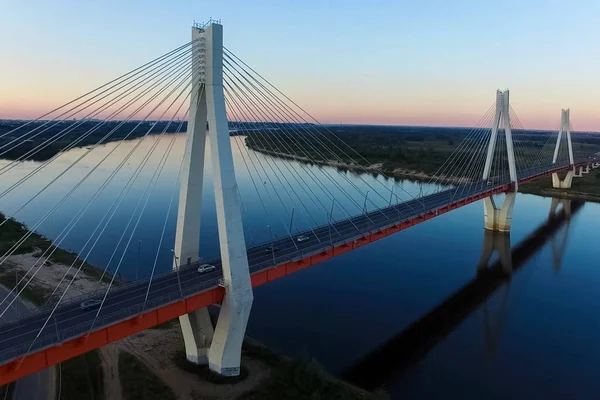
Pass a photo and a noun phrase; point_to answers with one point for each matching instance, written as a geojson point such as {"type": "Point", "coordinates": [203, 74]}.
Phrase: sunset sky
{"type": "Point", "coordinates": [429, 62]}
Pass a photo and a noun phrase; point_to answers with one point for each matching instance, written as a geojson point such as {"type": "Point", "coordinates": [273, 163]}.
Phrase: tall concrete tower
{"type": "Point", "coordinates": [499, 219]}
{"type": "Point", "coordinates": [221, 347]}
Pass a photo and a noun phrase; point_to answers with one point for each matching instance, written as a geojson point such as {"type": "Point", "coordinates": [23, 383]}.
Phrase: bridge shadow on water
{"type": "Point", "coordinates": [390, 360]}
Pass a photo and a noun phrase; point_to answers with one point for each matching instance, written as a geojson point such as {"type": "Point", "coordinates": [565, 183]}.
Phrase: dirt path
{"type": "Point", "coordinates": [109, 355]}
{"type": "Point", "coordinates": [155, 347]}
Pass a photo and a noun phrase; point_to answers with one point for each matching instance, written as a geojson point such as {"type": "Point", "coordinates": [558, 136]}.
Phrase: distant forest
{"type": "Point", "coordinates": [416, 148]}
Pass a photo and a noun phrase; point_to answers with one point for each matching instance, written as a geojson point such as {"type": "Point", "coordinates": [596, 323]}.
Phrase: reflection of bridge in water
{"type": "Point", "coordinates": [413, 343]}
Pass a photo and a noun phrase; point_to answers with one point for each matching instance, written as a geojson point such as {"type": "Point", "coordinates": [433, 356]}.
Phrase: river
{"type": "Point", "coordinates": [536, 336]}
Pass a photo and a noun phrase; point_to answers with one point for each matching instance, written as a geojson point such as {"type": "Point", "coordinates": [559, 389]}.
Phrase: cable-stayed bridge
{"type": "Point", "coordinates": [218, 94]}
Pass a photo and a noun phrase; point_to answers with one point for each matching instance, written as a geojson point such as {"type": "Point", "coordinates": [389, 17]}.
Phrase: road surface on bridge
{"type": "Point", "coordinates": [38, 385]}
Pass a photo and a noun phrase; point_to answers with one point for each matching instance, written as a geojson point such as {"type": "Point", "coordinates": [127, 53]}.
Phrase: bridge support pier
{"type": "Point", "coordinates": [198, 331]}
{"type": "Point", "coordinates": [496, 242]}
{"type": "Point", "coordinates": [499, 219]}
{"type": "Point", "coordinates": [566, 183]}
{"type": "Point", "coordinates": [207, 105]}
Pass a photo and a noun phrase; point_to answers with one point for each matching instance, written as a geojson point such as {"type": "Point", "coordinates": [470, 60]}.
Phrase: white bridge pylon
{"type": "Point", "coordinates": [221, 347]}
{"type": "Point", "coordinates": [499, 219]}
{"type": "Point", "coordinates": [565, 129]}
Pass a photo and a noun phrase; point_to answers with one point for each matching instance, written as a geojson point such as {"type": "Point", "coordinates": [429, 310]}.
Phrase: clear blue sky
{"type": "Point", "coordinates": [428, 62]}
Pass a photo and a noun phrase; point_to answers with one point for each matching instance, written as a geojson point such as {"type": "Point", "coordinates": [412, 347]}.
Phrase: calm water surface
{"type": "Point", "coordinates": [534, 337]}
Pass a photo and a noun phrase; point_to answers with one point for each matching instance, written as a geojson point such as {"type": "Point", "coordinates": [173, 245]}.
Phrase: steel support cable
{"type": "Point", "coordinates": [300, 147]}
{"type": "Point", "coordinates": [147, 193]}
{"type": "Point", "coordinates": [235, 115]}
{"type": "Point", "coordinates": [467, 168]}
{"type": "Point", "coordinates": [101, 140]}
{"type": "Point", "coordinates": [142, 67]}
{"type": "Point", "coordinates": [32, 229]}
{"type": "Point", "coordinates": [298, 177]}
{"type": "Point", "coordinates": [312, 175]}
{"type": "Point", "coordinates": [159, 167]}
{"type": "Point", "coordinates": [470, 159]}
{"type": "Point", "coordinates": [124, 191]}
{"type": "Point", "coordinates": [318, 132]}
{"type": "Point", "coordinates": [95, 128]}
{"type": "Point", "coordinates": [108, 289]}
{"type": "Point", "coordinates": [276, 192]}
{"type": "Point", "coordinates": [285, 161]}
{"type": "Point", "coordinates": [475, 163]}
{"type": "Point", "coordinates": [515, 117]}
{"type": "Point", "coordinates": [290, 136]}
{"type": "Point", "coordinates": [335, 155]}
{"type": "Point", "coordinates": [102, 108]}
{"type": "Point", "coordinates": [232, 105]}
{"type": "Point", "coordinates": [312, 196]}
{"type": "Point", "coordinates": [72, 127]}
{"type": "Point", "coordinates": [114, 206]}
{"type": "Point", "coordinates": [456, 162]}
{"type": "Point", "coordinates": [251, 176]}
{"type": "Point", "coordinates": [520, 142]}
{"type": "Point", "coordinates": [459, 160]}
{"type": "Point", "coordinates": [240, 115]}
{"type": "Point", "coordinates": [86, 206]}
{"type": "Point", "coordinates": [435, 178]}
{"type": "Point", "coordinates": [233, 58]}
{"type": "Point", "coordinates": [465, 159]}
{"type": "Point", "coordinates": [459, 151]}
{"type": "Point", "coordinates": [285, 121]}
{"type": "Point", "coordinates": [164, 228]}
{"type": "Point", "coordinates": [105, 95]}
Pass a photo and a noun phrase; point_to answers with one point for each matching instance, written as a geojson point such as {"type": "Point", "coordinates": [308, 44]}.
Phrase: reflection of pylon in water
{"type": "Point", "coordinates": [494, 333]}
{"type": "Point", "coordinates": [558, 241]}
{"type": "Point", "coordinates": [498, 242]}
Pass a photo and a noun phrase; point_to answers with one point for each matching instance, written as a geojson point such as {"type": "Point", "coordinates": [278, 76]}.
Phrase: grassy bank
{"type": "Point", "coordinates": [297, 380]}
{"type": "Point", "coordinates": [81, 378]}
{"type": "Point", "coordinates": [35, 294]}
{"type": "Point", "coordinates": [138, 382]}
{"type": "Point", "coordinates": [585, 188]}
{"type": "Point", "coordinates": [11, 233]}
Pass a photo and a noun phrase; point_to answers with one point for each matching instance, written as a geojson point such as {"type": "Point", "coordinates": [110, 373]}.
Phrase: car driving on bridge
{"type": "Point", "coordinates": [89, 304]}
{"type": "Point", "coordinates": [302, 238]}
{"type": "Point", "coordinates": [206, 268]}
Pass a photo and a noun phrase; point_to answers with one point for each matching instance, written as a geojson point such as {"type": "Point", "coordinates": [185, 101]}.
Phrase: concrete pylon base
{"type": "Point", "coordinates": [566, 183]}
{"type": "Point", "coordinates": [499, 219]}
{"type": "Point", "coordinates": [498, 242]}
{"type": "Point", "coordinates": [198, 332]}
{"type": "Point", "coordinates": [226, 349]}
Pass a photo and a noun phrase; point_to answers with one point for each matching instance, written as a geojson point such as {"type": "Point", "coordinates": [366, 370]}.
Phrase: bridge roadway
{"type": "Point", "coordinates": [23, 337]}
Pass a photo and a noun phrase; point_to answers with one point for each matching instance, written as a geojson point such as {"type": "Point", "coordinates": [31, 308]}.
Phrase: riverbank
{"type": "Point", "coordinates": [585, 188]}
{"type": "Point", "coordinates": [47, 268]}
{"type": "Point", "coordinates": [266, 375]}
{"type": "Point", "coordinates": [375, 168]}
